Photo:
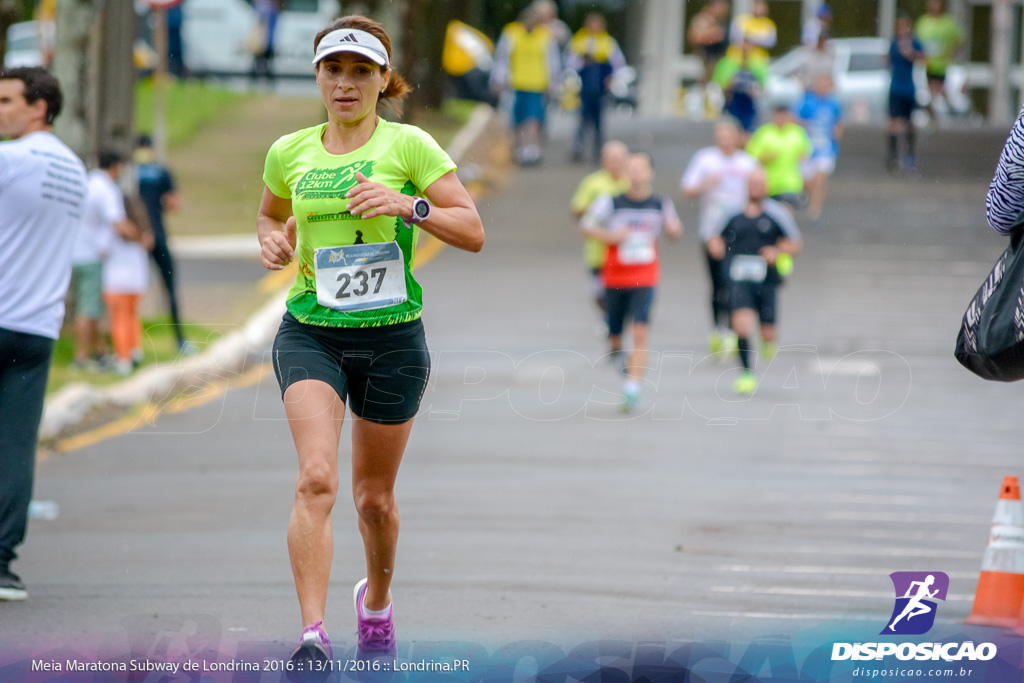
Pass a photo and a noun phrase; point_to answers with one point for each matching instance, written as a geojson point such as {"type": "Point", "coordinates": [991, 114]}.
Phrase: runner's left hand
{"type": "Point", "coordinates": [369, 200]}
{"type": "Point", "coordinates": [770, 254]}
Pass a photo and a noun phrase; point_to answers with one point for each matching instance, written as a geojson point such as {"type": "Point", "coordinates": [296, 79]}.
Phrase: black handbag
{"type": "Point", "coordinates": [991, 339]}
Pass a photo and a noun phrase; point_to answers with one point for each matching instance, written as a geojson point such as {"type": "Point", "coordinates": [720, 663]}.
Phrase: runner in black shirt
{"type": "Point", "coordinates": [750, 242]}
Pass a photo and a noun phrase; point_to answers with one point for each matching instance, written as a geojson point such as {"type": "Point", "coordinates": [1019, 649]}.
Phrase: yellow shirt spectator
{"type": "Point", "coordinates": [759, 31]}
{"type": "Point", "coordinates": [526, 60]}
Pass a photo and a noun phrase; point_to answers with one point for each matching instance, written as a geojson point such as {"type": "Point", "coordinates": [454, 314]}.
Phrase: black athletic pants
{"type": "Point", "coordinates": [164, 261]}
{"type": "Point", "coordinates": [24, 367]}
{"type": "Point", "coordinates": [719, 290]}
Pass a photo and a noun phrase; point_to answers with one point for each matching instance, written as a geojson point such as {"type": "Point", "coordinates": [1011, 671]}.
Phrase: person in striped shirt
{"type": "Point", "coordinates": [1005, 198]}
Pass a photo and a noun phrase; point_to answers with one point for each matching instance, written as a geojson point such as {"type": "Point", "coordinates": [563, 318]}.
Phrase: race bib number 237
{"type": "Point", "coordinates": [360, 277]}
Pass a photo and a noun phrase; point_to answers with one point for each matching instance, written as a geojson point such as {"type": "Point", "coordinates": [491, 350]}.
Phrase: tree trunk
{"type": "Point", "coordinates": [421, 60]}
{"type": "Point", "coordinates": [10, 13]}
{"type": "Point", "coordinates": [95, 67]}
{"type": "Point", "coordinates": [76, 23]}
{"type": "Point", "coordinates": [433, 80]}
{"type": "Point", "coordinates": [116, 84]}
{"type": "Point", "coordinates": [411, 28]}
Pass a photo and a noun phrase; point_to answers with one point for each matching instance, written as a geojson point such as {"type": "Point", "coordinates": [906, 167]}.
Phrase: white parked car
{"type": "Point", "coordinates": [23, 48]}
{"type": "Point", "coordinates": [23, 45]}
{"type": "Point", "coordinates": [216, 35]}
{"type": "Point", "coordinates": [861, 75]}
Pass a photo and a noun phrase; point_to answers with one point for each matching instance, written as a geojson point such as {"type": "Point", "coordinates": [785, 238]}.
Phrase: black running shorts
{"type": "Point", "coordinates": [759, 296]}
{"type": "Point", "coordinates": [901, 106]}
{"type": "Point", "coordinates": [794, 200]}
{"type": "Point", "coordinates": [379, 372]}
{"type": "Point", "coordinates": [629, 303]}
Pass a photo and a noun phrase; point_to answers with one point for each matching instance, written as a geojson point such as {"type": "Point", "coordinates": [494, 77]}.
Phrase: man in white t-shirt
{"type": "Point", "coordinates": [103, 210]}
{"type": "Point", "coordinates": [719, 175]}
{"type": "Point", "coordinates": [42, 194]}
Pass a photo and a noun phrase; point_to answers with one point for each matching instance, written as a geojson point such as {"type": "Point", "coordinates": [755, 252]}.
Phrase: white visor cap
{"type": "Point", "coordinates": [352, 40]}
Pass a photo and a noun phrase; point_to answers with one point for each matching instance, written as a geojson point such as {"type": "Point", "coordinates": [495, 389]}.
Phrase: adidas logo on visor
{"type": "Point", "coordinates": [352, 40]}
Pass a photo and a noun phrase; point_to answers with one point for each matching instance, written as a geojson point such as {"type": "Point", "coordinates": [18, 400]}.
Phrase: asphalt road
{"type": "Point", "coordinates": [531, 508]}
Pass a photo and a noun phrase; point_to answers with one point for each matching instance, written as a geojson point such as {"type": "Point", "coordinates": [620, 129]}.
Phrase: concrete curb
{"type": "Point", "coordinates": [215, 246]}
{"type": "Point", "coordinates": [226, 357]}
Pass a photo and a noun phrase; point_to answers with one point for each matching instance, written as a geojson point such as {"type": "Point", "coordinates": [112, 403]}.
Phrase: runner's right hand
{"type": "Point", "coordinates": [616, 236]}
{"type": "Point", "coordinates": [279, 248]}
{"type": "Point", "coordinates": [712, 181]}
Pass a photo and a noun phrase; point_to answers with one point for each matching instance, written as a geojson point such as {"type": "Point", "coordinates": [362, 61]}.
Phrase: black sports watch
{"type": "Point", "coordinates": [420, 211]}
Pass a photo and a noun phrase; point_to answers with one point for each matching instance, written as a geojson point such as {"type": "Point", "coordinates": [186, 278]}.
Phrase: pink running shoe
{"type": "Point", "coordinates": [376, 635]}
{"type": "Point", "coordinates": [312, 654]}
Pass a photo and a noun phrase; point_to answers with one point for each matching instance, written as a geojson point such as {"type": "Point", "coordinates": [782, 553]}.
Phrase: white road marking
{"type": "Point", "coordinates": [879, 551]}
{"type": "Point", "coordinates": [808, 616]}
{"type": "Point", "coordinates": [822, 569]}
{"type": "Point", "coordinates": [824, 592]}
{"type": "Point", "coordinates": [907, 517]}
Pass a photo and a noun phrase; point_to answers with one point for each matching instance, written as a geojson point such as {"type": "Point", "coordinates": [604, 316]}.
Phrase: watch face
{"type": "Point", "coordinates": [421, 209]}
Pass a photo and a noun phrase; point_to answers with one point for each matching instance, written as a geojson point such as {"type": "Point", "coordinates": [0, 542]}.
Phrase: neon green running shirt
{"type": "Point", "coordinates": [787, 146]}
{"type": "Point", "coordinates": [400, 157]}
{"type": "Point", "coordinates": [590, 188]}
{"type": "Point", "coordinates": [940, 36]}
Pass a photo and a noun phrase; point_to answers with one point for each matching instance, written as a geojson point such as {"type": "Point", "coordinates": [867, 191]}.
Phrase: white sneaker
{"type": "Point", "coordinates": [11, 587]}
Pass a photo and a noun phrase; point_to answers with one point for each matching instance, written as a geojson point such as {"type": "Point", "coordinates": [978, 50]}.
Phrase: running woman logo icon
{"type": "Point", "coordinates": [914, 612]}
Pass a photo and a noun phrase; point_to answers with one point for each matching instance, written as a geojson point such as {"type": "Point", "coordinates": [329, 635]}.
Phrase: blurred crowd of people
{"type": "Point", "coordinates": [762, 172]}
{"type": "Point", "coordinates": [735, 59]}
{"type": "Point", "coordinates": [538, 60]}
{"type": "Point", "coordinates": [260, 42]}
{"type": "Point", "coordinates": [530, 59]}
{"type": "Point", "coordinates": [747, 227]}
{"type": "Point", "coordinates": [110, 259]}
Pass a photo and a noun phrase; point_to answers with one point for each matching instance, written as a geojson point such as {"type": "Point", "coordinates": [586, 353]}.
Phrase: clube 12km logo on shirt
{"type": "Point", "coordinates": [912, 615]}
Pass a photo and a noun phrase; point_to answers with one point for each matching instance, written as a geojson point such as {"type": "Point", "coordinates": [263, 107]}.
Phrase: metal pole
{"type": "Point", "coordinates": [650, 86]}
{"type": "Point", "coordinates": [672, 50]}
{"type": "Point", "coordinates": [160, 85]}
{"type": "Point", "coordinates": [999, 62]}
{"type": "Point", "coordinates": [959, 10]}
{"type": "Point", "coordinates": [808, 9]}
{"type": "Point", "coordinates": [963, 12]}
{"type": "Point", "coordinates": [886, 18]}
{"type": "Point", "coordinates": [662, 47]}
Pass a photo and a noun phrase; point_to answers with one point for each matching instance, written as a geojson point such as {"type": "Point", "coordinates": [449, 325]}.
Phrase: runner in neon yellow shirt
{"type": "Point", "coordinates": [609, 180]}
{"type": "Point", "coordinates": [343, 199]}
{"type": "Point", "coordinates": [780, 145]}
{"type": "Point", "coordinates": [941, 37]}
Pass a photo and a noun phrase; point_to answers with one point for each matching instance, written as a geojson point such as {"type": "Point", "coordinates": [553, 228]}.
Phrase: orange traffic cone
{"type": "Point", "coordinates": [997, 602]}
{"type": "Point", "coordinates": [1020, 621]}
